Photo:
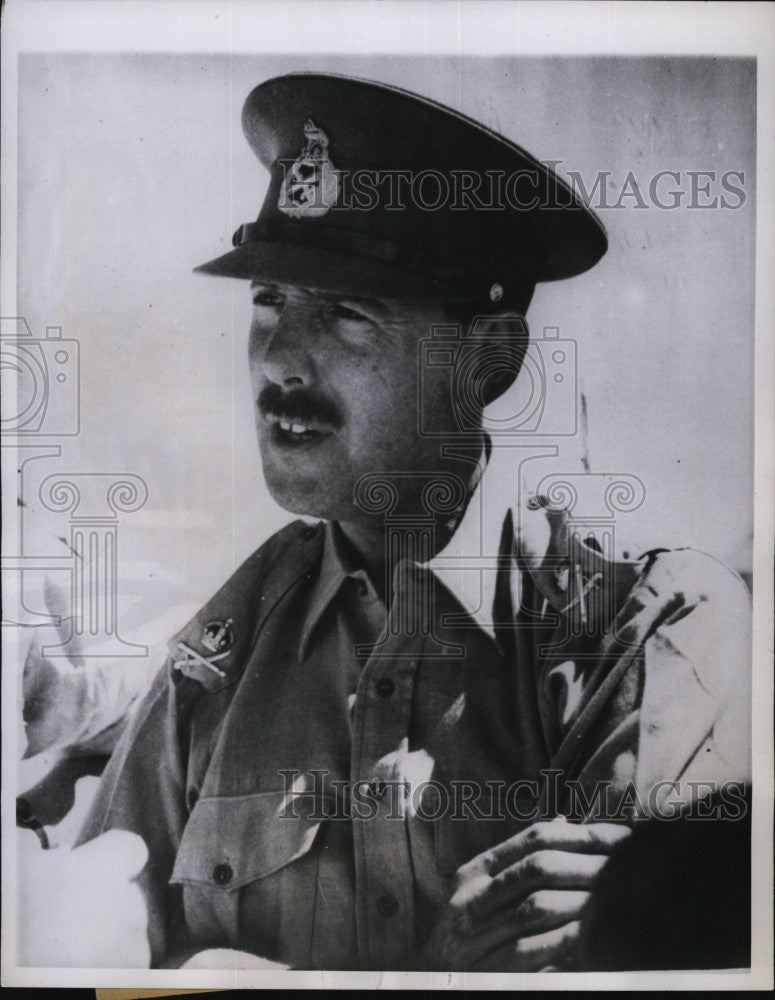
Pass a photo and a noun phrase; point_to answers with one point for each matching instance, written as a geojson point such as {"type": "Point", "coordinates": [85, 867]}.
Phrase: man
{"type": "Point", "coordinates": [337, 767]}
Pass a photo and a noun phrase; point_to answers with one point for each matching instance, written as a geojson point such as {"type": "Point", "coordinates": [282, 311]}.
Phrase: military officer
{"type": "Point", "coordinates": [336, 767]}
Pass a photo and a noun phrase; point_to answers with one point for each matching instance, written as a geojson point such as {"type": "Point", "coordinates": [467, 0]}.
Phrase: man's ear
{"type": "Point", "coordinates": [495, 350]}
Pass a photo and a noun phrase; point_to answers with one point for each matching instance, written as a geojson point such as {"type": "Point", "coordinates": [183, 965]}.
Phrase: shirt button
{"type": "Point", "coordinates": [385, 687]}
{"type": "Point", "coordinates": [362, 588]}
{"type": "Point", "coordinates": [387, 905]}
{"type": "Point", "coordinates": [222, 874]}
{"type": "Point", "coordinates": [309, 532]}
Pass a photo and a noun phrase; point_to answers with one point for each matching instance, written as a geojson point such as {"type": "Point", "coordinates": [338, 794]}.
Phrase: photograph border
{"type": "Point", "coordinates": [439, 26]}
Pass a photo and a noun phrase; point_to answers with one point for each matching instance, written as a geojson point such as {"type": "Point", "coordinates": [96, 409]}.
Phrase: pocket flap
{"type": "Point", "coordinates": [229, 842]}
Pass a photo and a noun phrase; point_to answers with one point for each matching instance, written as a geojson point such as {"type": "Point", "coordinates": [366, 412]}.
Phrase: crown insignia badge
{"type": "Point", "coordinates": [311, 185]}
{"type": "Point", "coordinates": [218, 636]}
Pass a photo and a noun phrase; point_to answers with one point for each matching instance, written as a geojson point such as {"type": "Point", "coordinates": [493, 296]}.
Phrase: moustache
{"type": "Point", "coordinates": [299, 406]}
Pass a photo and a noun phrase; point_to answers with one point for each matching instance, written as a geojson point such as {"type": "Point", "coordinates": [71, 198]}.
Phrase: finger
{"type": "Point", "coordinates": [555, 949]}
{"type": "Point", "coordinates": [541, 911]}
{"type": "Point", "coordinates": [560, 835]}
{"type": "Point", "coordinates": [540, 870]}
{"type": "Point", "coordinates": [117, 853]}
{"type": "Point", "coordinates": [546, 910]}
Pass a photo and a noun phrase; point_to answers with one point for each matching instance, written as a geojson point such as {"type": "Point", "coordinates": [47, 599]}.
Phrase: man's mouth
{"type": "Point", "coordinates": [294, 432]}
{"type": "Point", "coordinates": [299, 417]}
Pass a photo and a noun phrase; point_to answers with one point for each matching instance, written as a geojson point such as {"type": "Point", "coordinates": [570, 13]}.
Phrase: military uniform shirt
{"type": "Point", "coordinates": [306, 805]}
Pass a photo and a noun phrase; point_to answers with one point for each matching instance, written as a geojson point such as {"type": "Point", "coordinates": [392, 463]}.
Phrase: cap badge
{"type": "Point", "coordinates": [311, 185]}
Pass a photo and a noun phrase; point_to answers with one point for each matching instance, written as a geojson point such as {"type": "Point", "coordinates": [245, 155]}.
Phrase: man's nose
{"type": "Point", "coordinates": [286, 358]}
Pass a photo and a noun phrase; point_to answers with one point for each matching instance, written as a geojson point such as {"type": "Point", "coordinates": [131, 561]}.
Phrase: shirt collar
{"type": "Point", "coordinates": [335, 568]}
{"type": "Point", "coordinates": [613, 571]}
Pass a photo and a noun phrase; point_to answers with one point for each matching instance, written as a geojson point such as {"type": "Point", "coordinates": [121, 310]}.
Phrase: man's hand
{"type": "Point", "coordinates": [82, 908]}
{"type": "Point", "coordinates": [516, 907]}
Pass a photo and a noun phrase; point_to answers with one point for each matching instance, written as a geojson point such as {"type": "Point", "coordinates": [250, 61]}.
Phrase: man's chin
{"type": "Point", "coordinates": [306, 499]}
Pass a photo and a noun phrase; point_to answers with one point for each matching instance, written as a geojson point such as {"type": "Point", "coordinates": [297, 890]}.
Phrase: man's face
{"type": "Point", "coordinates": [336, 382]}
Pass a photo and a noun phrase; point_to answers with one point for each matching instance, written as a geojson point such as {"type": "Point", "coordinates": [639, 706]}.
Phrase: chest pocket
{"type": "Point", "coordinates": [248, 872]}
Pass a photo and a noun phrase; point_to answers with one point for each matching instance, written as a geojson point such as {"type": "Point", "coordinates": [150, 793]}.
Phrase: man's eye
{"type": "Point", "coordinates": [338, 311]}
{"type": "Point", "coordinates": [265, 297]}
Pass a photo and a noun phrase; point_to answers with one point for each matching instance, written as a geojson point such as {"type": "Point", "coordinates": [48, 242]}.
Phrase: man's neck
{"type": "Point", "coordinates": [365, 546]}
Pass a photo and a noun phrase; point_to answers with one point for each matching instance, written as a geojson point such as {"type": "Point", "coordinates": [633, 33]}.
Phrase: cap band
{"type": "Point", "coordinates": [386, 251]}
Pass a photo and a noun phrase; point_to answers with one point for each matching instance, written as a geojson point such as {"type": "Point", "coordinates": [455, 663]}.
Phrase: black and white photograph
{"type": "Point", "coordinates": [387, 494]}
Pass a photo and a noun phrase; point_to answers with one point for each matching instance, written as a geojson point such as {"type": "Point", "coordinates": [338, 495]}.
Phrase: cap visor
{"type": "Point", "coordinates": [330, 271]}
